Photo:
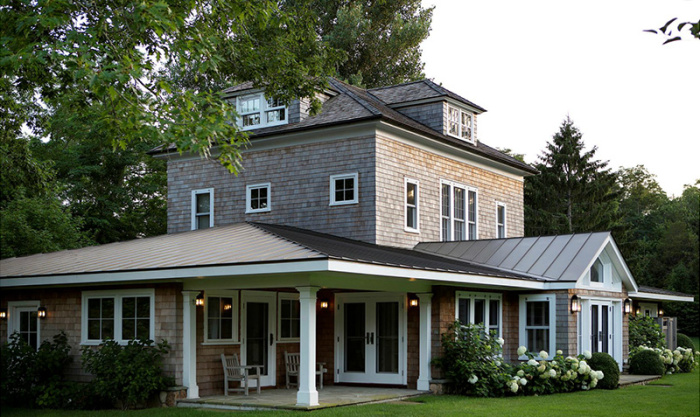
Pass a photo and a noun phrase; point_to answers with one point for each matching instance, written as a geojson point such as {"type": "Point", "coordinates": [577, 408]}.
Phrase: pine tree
{"type": "Point", "coordinates": [574, 192]}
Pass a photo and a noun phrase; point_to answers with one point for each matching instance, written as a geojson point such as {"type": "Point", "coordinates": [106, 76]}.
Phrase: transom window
{"type": "Point", "coordinates": [221, 324]}
{"type": "Point", "coordinates": [500, 220]}
{"type": "Point", "coordinates": [460, 124]}
{"type": "Point", "coordinates": [202, 208]}
{"type": "Point", "coordinates": [458, 212]}
{"type": "Point", "coordinates": [597, 272]}
{"type": "Point", "coordinates": [480, 308]}
{"type": "Point", "coordinates": [120, 315]}
{"type": "Point", "coordinates": [537, 320]}
{"type": "Point", "coordinates": [412, 222]}
{"type": "Point", "coordinates": [258, 198]}
{"type": "Point", "coordinates": [289, 317]}
{"type": "Point", "coordinates": [343, 189]}
{"type": "Point", "coordinates": [255, 111]}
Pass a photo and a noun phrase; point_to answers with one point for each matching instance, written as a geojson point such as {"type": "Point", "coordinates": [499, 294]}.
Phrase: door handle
{"type": "Point", "coordinates": [367, 338]}
{"type": "Point", "coordinates": [371, 338]}
{"type": "Point", "coordinates": [600, 336]}
{"type": "Point", "coordinates": [272, 339]}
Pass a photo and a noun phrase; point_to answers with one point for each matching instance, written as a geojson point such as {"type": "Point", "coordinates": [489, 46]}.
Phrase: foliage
{"type": "Point", "coordinates": [673, 31]}
{"type": "Point", "coordinates": [574, 192]}
{"type": "Point", "coordinates": [127, 374]}
{"type": "Point", "coordinates": [646, 362]}
{"type": "Point", "coordinates": [380, 38]}
{"type": "Point", "coordinates": [557, 375]}
{"type": "Point", "coordinates": [678, 360]}
{"type": "Point", "coordinates": [645, 331]}
{"type": "Point", "coordinates": [609, 366]}
{"type": "Point", "coordinates": [685, 342]}
{"type": "Point", "coordinates": [35, 377]}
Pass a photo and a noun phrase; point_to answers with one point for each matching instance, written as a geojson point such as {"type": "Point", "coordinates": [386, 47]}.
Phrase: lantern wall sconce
{"type": "Point", "coordinates": [324, 304]}
{"type": "Point", "coordinates": [41, 312]}
{"type": "Point", "coordinates": [639, 311]}
{"type": "Point", "coordinates": [661, 312]}
{"type": "Point", "coordinates": [413, 302]}
{"type": "Point", "coordinates": [575, 304]}
{"type": "Point", "coordinates": [627, 306]}
{"type": "Point", "coordinates": [199, 300]}
{"type": "Point", "coordinates": [3, 313]}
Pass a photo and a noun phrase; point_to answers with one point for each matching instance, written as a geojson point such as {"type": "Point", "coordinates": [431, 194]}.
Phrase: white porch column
{"type": "Point", "coordinates": [189, 343]}
{"type": "Point", "coordinates": [424, 354]}
{"type": "Point", "coordinates": [307, 395]}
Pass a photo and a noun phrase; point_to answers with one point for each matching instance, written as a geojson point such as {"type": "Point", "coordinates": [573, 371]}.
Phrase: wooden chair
{"type": "Point", "coordinates": [234, 371]}
{"type": "Point", "coordinates": [291, 363]}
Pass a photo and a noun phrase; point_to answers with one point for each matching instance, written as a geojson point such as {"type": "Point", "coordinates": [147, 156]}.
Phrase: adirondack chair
{"type": "Point", "coordinates": [291, 362]}
{"type": "Point", "coordinates": [234, 371]}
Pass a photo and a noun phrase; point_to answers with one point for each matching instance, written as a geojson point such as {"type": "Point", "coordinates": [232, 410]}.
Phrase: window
{"type": "Point", "coordinates": [202, 208]}
{"type": "Point", "coordinates": [597, 272]}
{"type": "Point", "coordinates": [460, 124]}
{"type": "Point", "coordinates": [343, 189]}
{"type": "Point", "coordinates": [480, 308]}
{"type": "Point", "coordinates": [120, 315]}
{"type": "Point", "coordinates": [255, 111]}
{"type": "Point", "coordinates": [537, 322]}
{"type": "Point", "coordinates": [221, 322]}
{"type": "Point", "coordinates": [412, 219]}
{"type": "Point", "coordinates": [458, 212]}
{"type": "Point", "coordinates": [24, 320]}
{"type": "Point", "coordinates": [258, 198]}
{"type": "Point", "coordinates": [500, 220]}
{"type": "Point", "coordinates": [290, 317]}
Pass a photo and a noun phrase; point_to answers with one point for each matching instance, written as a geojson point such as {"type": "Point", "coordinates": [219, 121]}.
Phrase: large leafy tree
{"type": "Point", "coordinates": [380, 38]}
{"type": "Point", "coordinates": [574, 192]}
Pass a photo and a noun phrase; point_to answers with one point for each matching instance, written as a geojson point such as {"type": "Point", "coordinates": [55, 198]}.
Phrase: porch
{"type": "Point", "coordinates": [286, 399]}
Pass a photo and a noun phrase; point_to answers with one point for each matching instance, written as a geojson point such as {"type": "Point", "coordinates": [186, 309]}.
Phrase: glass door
{"type": "Point", "coordinates": [601, 327]}
{"type": "Point", "coordinates": [259, 347]}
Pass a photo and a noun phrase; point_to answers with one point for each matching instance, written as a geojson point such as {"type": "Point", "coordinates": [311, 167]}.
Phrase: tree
{"type": "Point", "coordinates": [573, 192]}
{"type": "Point", "coordinates": [380, 38]}
{"type": "Point", "coordinates": [673, 34]}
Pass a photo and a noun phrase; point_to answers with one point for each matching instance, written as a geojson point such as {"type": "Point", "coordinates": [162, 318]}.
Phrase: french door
{"type": "Point", "coordinates": [258, 346]}
{"type": "Point", "coordinates": [601, 327]}
{"type": "Point", "coordinates": [370, 338]}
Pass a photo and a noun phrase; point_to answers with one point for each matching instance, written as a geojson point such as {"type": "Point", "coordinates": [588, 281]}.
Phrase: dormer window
{"type": "Point", "coordinates": [256, 111]}
{"type": "Point", "coordinates": [460, 124]}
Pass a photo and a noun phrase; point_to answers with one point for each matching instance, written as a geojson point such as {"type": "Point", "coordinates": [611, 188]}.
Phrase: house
{"type": "Point", "coordinates": [355, 237]}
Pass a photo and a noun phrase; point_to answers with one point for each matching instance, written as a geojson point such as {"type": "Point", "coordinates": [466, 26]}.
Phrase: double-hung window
{"type": "Point", "coordinates": [411, 198]}
{"type": "Point", "coordinates": [221, 322]}
{"type": "Point", "coordinates": [258, 198]}
{"type": "Point", "coordinates": [480, 308]}
{"type": "Point", "coordinates": [538, 322]}
{"type": "Point", "coordinates": [289, 317]}
{"type": "Point", "coordinates": [255, 111]}
{"type": "Point", "coordinates": [460, 124]}
{"type": "Point", "coordinates": [24, 320]}
{"type": "Point", "coordinates": [500, 220]}
{"type": "Point", "coordinates": [202, 208]}
{"type": "Point", "coordinates": [120, 315]}
{"type": "Point", "coordinates": [458, 212]}
{"type": "Point", "coordinates": [344, 189]}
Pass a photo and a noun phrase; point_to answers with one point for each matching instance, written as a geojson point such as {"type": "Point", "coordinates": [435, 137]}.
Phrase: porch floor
{"type": "Point", "coordinates": [329, 396]}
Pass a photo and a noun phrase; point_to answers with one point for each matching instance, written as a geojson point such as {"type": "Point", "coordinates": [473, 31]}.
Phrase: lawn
{"type": "Point", "coordinates": [673, 395]}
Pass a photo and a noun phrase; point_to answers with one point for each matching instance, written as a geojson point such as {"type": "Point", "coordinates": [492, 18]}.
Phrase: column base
{"type": "Point", "coordinates": [423, 385]}
{"type": "Point", "coordinates": [307, 399]}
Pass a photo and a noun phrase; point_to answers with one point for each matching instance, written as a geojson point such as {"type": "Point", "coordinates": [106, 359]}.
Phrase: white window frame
{"type": "Point", "coordinates": [280, 297]}
{"type": "Point", "coordinates": [603, 273]}
{"type": "Point", "coordinates": [407, 206]}
{"type": "Point", "coordinates": [460, 126]}
{"type": "Point", "coordinates": [524, 299]}
{"type": "Point", "coordinates": [451, 218]}
{"type": "Point", "coordinates": [248, 198]}
{"type": "Point", "coordinates": [193, 211]}
{"type": "Point", "coordinates": [118, 296]}
{"type": "Point", "coordinates": [265, 106]}
{"type": "Point", "coordinates": [504, 225]}
{"type": "Point", "coordinates": [334, 178]}
{"type": "Point", "coordinates": [13, 311]}
{"type": "Point", "coordinates": [234, 307]}
{"type": "Point", "coordinates": [487, 297]}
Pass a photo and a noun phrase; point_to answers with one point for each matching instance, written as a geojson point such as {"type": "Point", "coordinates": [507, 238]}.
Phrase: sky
{"type": "Point", "coordinates": [532, 63]}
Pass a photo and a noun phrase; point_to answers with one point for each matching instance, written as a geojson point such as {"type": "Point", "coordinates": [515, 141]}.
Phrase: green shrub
{"type": "Point", "coordinates": [603, 362]}
{"type": "Point", "coordinates": [128, 374]}
{"type": "Point", "coordinates": [647, 362]}
{"type": "Point", "coordinates": [684, 341]}
{"type": "Point", "coordinates": [644, 331]}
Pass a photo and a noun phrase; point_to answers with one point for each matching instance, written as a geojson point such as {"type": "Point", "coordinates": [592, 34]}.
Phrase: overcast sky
{"type": "Point", "coordinates": [532, 63]}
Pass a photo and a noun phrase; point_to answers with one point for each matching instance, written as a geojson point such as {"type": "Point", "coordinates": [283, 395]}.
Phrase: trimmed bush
{"type": "Point", "coordinates": [647, 362]}
{"type": "Point", "coordinates": [603, 362]}
{"type": "Point", "coordinates": [685, 341]}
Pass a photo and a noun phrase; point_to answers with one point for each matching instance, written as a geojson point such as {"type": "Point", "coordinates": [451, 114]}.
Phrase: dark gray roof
{"type": "Point", "coordinates": [417, 90]}
{"type": "Point", "coordinates": [554, 258]}
{"type": "Point", "coordinates": [654, 290]}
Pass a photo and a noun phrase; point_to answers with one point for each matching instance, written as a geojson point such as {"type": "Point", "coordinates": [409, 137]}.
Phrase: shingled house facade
{"type": "Point", "coordinates": [355, 237]}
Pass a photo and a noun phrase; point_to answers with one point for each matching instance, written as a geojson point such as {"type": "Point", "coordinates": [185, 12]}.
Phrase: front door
{"type": "Point", "coordinates": [370, 336]}
{"type": "Point", "coordinates": [258, 332]}
{"type": "Point", "coordinates": [601, 327]}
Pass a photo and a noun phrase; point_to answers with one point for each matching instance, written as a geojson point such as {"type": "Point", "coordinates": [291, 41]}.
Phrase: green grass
{"type": "Point", "coordinates": [696, 341]}
{"type": "Point", "coordinates": [673, 395]}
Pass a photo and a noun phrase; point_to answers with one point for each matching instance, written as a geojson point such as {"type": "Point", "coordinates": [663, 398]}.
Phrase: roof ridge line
{"type": "Point", "coordinates": [435, 87]}
{"type": "Point", "coordinates": [398, 85]}
{"type": "Point", "coordinates": [362, 102]}
{"type": "Point", "coordinates": [264, 230]}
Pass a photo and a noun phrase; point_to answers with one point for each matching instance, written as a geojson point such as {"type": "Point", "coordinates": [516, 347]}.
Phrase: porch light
{"type": "Point", "coordinates": [639, 311]}
{"type": "Point", "coordinates": [3, 313]}
{"type": "Point", "coordinates": [324, 304]}
{"type": "Point", "coordinates": [575, 304]}
{"type": "Point", "coordinates": [41, 312]}
{"type": "Point", "coordinates": [199, 301]}
{"type": "Point", "coordinates": [413, 302]}
{"type": "Point", "coordinates": [628, 306]}
{"type": "Point", "coordinates": [661, 312]}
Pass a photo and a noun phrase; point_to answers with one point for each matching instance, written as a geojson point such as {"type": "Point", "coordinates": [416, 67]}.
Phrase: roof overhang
{"type": "Point", "coordinates": [649, 296]}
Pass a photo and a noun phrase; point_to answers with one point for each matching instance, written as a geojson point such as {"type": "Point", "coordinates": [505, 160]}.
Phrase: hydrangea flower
{"type": "Point", "coordinates": [544, 354]}
{"type": "Point", "coordinates": [500, 341]}
{"type": "Point", "coordinates": [552, 373]}
{"type": "Point", "coordinates": [559, 352]}
{"type": "Point", "coordinates": [522, 350]}
{"type": "Point", "coordinates": [521, 373]}
{"type": "Point", "coordinates": [532, 362]}
{"type": "Point", "coordinates": [523, 381]}
{"type": "Point", "coordinates": [587, 354]}
{"type": "Point", "coordinates": [473, 379]}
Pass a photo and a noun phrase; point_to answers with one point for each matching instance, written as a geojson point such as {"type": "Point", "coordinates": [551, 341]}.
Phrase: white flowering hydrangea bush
{"type": "Point", "coordinates": [557, 375]}
{"type": "Point", "coordinates": [679, 360]}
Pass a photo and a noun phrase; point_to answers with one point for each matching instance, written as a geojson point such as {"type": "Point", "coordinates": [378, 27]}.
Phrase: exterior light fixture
{"type": "Point", "coordinates": [639, 311]}
{"type": "Point", "coordinates": [3, 313]}
{"type": "Point", "coordinates": [627, 306]}
{"type": "Point", "coordinates": [41, 312]}
{"type": "Point", "coordinates": [227, 307]}
{"type": "Point", "coordinates": [413, 302]}
{"type": "Point", "coordinates": [661, 312]}
{"type": "Point", "coordinates": [575, 304]}
{"type": "Point", "coordinates": [324, 304]}
{"type": "Point", "coordinates": [199, 301]}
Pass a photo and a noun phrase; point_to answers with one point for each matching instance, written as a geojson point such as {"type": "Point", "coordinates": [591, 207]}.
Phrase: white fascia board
{"type": "Point", "coordinates": [448, 151]}
{"type": "Point", "coordinates": [168, 274]}
{"type": "Point", "coordinates": [438, 99]}
{"type": "Point", "coordinates": [618, 262]}
{"type": "Point", "coordinates": [621, 262]}
{"type": "Point", "coordinates": [641, 296]}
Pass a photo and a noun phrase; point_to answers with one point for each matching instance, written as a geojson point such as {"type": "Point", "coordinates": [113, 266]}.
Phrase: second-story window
{"type": "Point", "coordinates": [258, 198]}
{"type": "Point", "coordinates": [412, 222]}
{"type": "Point", "coordinates": [460, 124]}
{"type": "Point", "coordinates": [458, 212]}
{"type": "Point", "coordinates": [343, 189]}
{"type": "Point", "coordinates": [255, 111]}
{"type": "Point", "coordinates": [202, 208]}
{"type": "Point", "coordinates": [500, 220]}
